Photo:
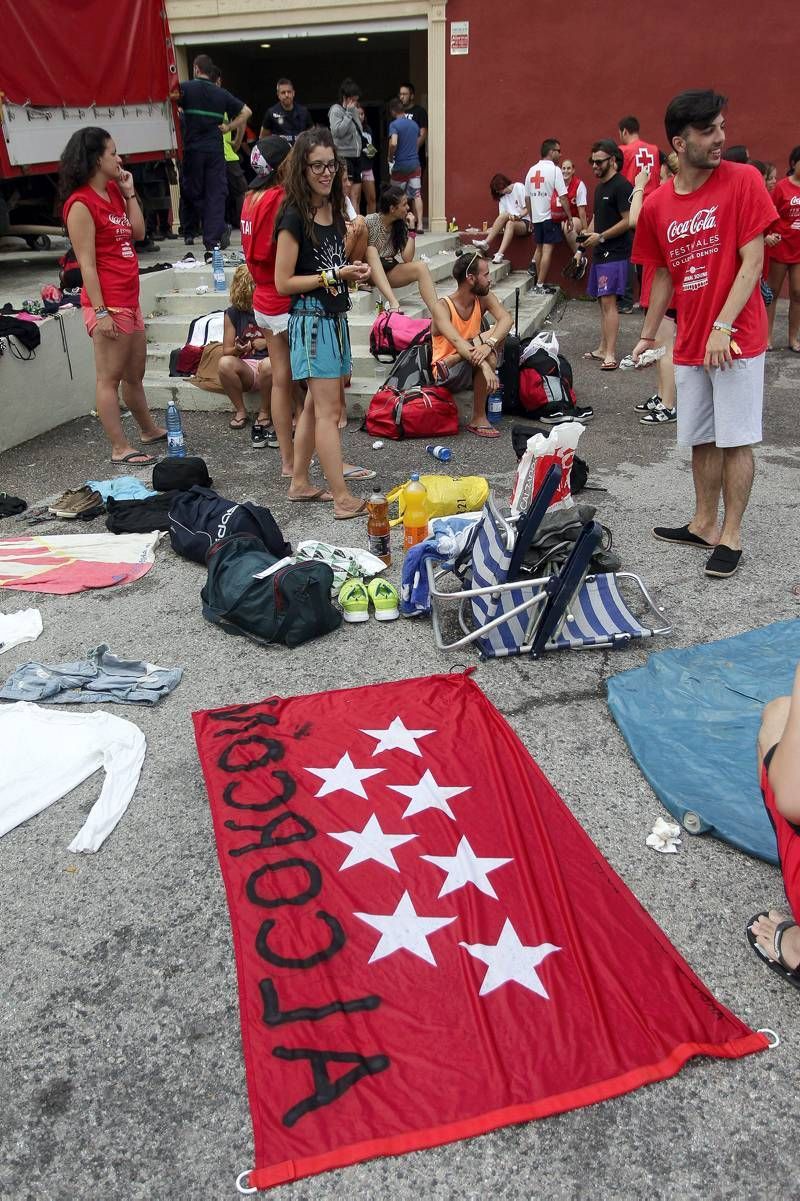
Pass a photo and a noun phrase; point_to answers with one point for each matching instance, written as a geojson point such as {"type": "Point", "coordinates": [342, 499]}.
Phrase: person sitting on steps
{"type": "Point", "coordinates": [463, 356]}
{"type": "Point", "coordinates": [244, 365]}
{"type": "Point", "coordinates": [774, 936]}
{"type": "Point", "coordinates": [390, 250]}
{"type": "Point", "coordinates": [512, 218]}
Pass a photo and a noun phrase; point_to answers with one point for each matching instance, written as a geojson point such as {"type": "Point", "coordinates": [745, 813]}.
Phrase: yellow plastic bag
{"type": "Point", "coordinates": [446, 495]}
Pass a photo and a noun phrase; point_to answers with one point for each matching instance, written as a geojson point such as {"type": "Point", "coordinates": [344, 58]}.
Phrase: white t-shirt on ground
{"type": "Point", "coordinates": [45, 755]}
{"type": "Point", "coordinates": [515, 202]}
{"type": "Point", "coordinates": [543, 179]}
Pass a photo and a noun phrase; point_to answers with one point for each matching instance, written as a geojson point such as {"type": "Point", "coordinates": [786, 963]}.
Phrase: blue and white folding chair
{"type": "Point", "coordinates": [503, 612]}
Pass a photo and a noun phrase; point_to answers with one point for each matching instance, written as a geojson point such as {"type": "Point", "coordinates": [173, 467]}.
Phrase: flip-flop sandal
{"type": "Point", "coordinates": [589, 354]}
{"type": "Point", "coordinates": [150, 441]}
{"type": "Point", "coordinates": [359, 473]}
{"type": "Point", "coordinates": [609, 365]}
{"type": "Point", "coordinates": [681, 535]}
{"type": "Point", "coordinates": [127, 460]}
{"type": "Point", "coordinates": [779, 965]}
{"type": "Point", "coordinates": [237, 423]}
{"type": "Point", "coordinates": [482, 431]}
{"type": "Point", "coordinates": [319, 495]}
{"type": "Point", "coordinates": [359, 512]}
{"type": "Point", "coordinates": [724, 562]}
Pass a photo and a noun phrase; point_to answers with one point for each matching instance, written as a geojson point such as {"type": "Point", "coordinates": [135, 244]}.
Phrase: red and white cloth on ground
{"type": "Point", "coordinates": [64, 563]}
{"type": "Point", "coordinates": [428, 945]}
{"type": "Point", "coordinates": [697, 237]}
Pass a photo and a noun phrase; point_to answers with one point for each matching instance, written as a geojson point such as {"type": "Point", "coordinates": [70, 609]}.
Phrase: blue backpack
{"type": "Point", "coordinates": [200, 517]}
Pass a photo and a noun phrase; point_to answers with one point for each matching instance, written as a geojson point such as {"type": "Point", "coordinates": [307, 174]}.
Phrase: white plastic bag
{"type": "Point", "coordinates": [543, 341]}
{"type": "Point", "coordinates": [557, 447]}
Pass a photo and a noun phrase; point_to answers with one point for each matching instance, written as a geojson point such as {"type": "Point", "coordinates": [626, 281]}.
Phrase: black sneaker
{"type": "Point", "coordinates": [558, 416]}
{"type": "Point", "coordinates": [648, 405]}
{"type": "Point", "coordinates": [262, 435]}
{"type": "Point", "coordinates": [624, 310]}
{"type": "Point", "coordinates": [660, 415]}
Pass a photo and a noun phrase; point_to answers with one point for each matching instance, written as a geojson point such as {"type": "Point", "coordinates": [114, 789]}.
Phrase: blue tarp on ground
{"type": "Point", "coordinates": [690, 718]}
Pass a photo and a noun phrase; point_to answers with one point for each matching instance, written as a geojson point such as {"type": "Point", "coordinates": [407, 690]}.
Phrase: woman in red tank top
{"type": "Point", "coordinates": [103, 220]}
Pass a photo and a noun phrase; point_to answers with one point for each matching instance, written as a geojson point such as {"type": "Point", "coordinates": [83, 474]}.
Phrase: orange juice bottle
{"type": "Point", "coordinates": [415, 514]}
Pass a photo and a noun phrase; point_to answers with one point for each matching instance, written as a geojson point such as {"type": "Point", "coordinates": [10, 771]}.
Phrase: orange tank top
{"type": "Point", "coordinates": [468, 329]}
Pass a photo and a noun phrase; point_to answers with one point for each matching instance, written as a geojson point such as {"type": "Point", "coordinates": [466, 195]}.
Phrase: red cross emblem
{"type": "Point", "coordinates": [538, 179]}
{"type": "Point", "coordinates": [644, 158]}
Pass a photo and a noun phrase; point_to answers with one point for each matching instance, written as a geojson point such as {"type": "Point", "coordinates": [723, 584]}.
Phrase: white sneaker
{"type": "Point", "coordinates": [498, 258]}
{"type": "Point", "coordinates": [481, 244]}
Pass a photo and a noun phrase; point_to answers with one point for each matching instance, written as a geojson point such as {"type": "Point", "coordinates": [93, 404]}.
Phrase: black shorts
{"type": "Point", "coordinates": [353, 166]}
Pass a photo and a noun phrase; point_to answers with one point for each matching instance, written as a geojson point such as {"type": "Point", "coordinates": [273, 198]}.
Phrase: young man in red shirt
{"type": "Point", "coordinates": [704, 234]}
{"type": "Point", "coordinates": [636, 154]}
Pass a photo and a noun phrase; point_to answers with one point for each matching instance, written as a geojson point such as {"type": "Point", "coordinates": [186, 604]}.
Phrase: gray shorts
{"type": "Point", "coordinates": [723, 407]}
{"type": "Point", "coordinates": [458, 378]}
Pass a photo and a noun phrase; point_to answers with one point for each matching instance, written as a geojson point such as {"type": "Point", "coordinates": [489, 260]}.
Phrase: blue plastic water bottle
{"type": "Point", "coordinates": [494, 405]}
{"type": "Point", "coordinates": [176, 443]}
{"type": "Point", "coordinates": [218, 270]}
{"type": "Point", "coordinates": [443, 453]}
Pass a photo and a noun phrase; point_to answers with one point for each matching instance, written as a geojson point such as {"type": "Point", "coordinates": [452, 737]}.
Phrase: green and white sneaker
{"type": "Point", "coordinates": [385, 598]}
{"type": "Point", "coordinates": [354, 600]}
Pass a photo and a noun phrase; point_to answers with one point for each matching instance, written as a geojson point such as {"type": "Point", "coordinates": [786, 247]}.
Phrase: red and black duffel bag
{"type": "Point", "coordinates": [416, 413]}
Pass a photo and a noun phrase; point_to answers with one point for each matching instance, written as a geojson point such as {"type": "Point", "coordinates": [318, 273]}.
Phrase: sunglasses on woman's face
{"type": "Point", "coordinates": [321, 168]}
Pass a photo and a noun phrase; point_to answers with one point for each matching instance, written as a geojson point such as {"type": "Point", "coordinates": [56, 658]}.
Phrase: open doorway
{"type": "Point", "coordinates": [316, 65]}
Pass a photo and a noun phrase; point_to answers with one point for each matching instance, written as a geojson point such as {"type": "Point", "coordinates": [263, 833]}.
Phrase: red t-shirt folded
{"type": "Point", "coordinates": [117, 264]}
{"type": "Point", "coordinates": [697, 237]}
{"type": "Point", "coordinates": [259, 211]}
{"type": "Point", "coordinates": [786, 198]}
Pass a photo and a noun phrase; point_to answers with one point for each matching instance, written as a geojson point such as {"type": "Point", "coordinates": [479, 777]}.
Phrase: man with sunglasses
{"type": "Point", "coordinates": [543, 182]}
{"type": "Point", "coordinates": [609, 238]}
{"type": "Point", "coordinates": [464, 355]}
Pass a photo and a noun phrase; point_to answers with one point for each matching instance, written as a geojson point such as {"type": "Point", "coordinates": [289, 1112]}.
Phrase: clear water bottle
{"type": "Point", "coordinates": [176, 444]}
{"type": "Point", "coordinates": [494, 405]}
{"type": "Point", "coordinates": [443, 453]}
{"type": "Point", "coordinates": [218, 270]}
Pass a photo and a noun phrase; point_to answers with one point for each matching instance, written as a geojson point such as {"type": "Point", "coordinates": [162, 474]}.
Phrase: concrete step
{"type": "Point", "coordinates": [368, 375]}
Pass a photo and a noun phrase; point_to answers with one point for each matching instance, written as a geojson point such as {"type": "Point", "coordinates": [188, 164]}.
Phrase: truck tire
{"type": "Point", "coordinates": [38, 242]}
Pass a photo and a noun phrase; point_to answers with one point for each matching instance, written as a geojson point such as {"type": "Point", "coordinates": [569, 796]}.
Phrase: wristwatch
{"type": "Point", "coordinates": [601, 239]}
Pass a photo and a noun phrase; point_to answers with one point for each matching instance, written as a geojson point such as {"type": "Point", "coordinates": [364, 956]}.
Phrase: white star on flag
{"type": "Point", "coordinates": [427, 795]}
{"type": "Point", "coordinates": [404, 930]}
{"type": "Point", "coordinates": [396, 736]}
{"type": "Point", "coordinates": [371, 843]}
{"type": "Point", "coordinates": [465, 867]}
{"type": "Point", "coordinates": [345, 776]}
{"type": "Point", "coordinates": [509, 960]}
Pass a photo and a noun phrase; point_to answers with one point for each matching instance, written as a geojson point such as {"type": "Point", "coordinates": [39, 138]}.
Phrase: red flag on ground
{"type": "Point", "coordinates": [428, 945]}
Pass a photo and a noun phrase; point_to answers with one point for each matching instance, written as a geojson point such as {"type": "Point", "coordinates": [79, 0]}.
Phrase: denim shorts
{"type": "Point", "coordinates": [547, 233]}
{"type": "Point", "coordinates": [319, 342]}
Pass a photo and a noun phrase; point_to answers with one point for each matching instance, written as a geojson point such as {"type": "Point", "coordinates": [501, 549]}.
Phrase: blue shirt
{"type": "Point", "coordinates": [204, 107]}
{"type": "Point", "coordinates": [406, 131]}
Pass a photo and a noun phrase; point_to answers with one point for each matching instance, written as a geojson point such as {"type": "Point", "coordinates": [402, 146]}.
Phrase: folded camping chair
{"type": "Point", "coordinates": [503, 615]}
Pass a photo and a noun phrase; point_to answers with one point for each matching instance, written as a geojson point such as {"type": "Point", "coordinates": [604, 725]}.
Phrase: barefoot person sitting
{"type": "Point", "coordinates": [463, 356]}
{"type": "Point", "coordinates": [774, 936]}
{"type": "Point", "coordinates": [391, 241]}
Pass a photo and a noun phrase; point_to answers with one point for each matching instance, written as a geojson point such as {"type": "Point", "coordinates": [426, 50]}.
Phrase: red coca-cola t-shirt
{"type": "Point", "coordinates": [697, 237]}
{"type": "Point", "coordinates": [637, 155]}
{"type": "Point", "coordinates": [115, 257]}
{"type": "Point", "coordinates": [259, 211]}
{"type": "Point", "coordinates": [786, 198]}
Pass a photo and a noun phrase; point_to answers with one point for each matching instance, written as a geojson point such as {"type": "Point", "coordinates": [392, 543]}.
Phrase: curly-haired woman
{"type": "Point", "coordinates": [103, 220]}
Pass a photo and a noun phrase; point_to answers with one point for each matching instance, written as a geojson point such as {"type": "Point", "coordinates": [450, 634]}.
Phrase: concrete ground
{"type": "Point", "coordinates": [121, 1068]}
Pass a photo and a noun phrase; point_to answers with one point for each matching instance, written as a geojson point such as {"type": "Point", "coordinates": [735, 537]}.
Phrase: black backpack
{"type": "Point", "coordinates": [251, 592]}
{"type": "Point", "coordinates": [508, 371]}
{"type": "Point", "coordinates": [200, 517]}
{"type": "Point", "coordinates": [412, 368]}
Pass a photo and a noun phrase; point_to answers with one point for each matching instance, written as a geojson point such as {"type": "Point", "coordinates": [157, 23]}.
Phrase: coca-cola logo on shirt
{"type": "Point", "coordinates": [122, 221]}
{"type": "Point", "coordinates": [703, 219]}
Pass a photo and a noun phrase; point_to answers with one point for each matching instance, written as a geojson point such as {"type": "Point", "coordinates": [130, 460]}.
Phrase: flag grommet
{"type": "Point", "coordinates": [240, 1187]}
